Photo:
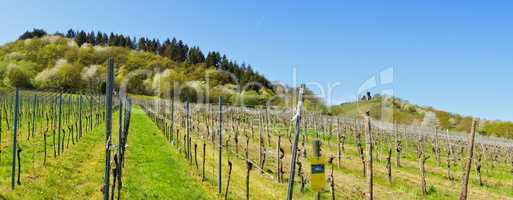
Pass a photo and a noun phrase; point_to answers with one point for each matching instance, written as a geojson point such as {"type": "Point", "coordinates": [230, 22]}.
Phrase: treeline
{"type": "Point", "coordinates": [175, 50]}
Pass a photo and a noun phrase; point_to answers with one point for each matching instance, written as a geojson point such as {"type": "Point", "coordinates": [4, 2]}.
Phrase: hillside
{"type": "Point", "coordinates": [405, 112]}
{"type": "Point", "coordinates": [76, 62]}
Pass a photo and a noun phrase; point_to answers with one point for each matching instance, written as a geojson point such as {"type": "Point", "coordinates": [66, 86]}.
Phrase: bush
{"type": "Point", "coordinates": [19, 74]}
{"type": "Point", "coordinates": [62, 76]}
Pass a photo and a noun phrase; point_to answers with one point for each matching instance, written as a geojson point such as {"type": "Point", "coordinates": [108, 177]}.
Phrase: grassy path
{"type": "Point", "coordinates": [154, 169]}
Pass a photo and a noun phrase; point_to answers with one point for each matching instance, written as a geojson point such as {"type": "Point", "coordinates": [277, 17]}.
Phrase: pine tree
{"type": "Point", "coordinates": [71, 34]}
{"type": "Point", "coordinates": [99, 39]}
{"type": "Point", "coordinates": [183, 49]}
{"type": "Point", "coordinates": [142, 44]}
{"type": "Point", "coordinates": [112, 39]}
{"type": "Point", "coordinates": [195, 56]}
{"type": "Point", "coordinates": [81, 38]}
{"type": "Point", "coordinates": [213, 59]}
{"type": "Point", "coordinates": [32, 34]}
{"type": "Point", "coordinates": [91, 38]}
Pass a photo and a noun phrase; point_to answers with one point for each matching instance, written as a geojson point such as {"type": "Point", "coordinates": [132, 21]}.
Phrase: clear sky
{"type": "Point", "coordinates": [453, 55]}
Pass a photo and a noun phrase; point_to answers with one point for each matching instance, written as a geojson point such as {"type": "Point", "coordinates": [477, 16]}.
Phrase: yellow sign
{"type": "Point", "coordinates": [318, 178]}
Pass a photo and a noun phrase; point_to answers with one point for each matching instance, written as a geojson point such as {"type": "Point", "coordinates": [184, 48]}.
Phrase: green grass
{"type": "Point", "coordinates": [155, 170]}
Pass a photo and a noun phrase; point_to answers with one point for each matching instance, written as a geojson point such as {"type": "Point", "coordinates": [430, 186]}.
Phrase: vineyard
{"type": "Point", "coordinates": [60, 145]}
{"type": "Point", "coordinates": [243, 153]}
{"type": "Point", "coordinates": [256, 150]}
{"type": "Point", "coordinates": [256, 100]}
{"type": "Point", "coordinates": [39, 127]}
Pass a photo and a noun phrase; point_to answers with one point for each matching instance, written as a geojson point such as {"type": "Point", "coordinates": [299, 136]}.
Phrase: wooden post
{"type": "Point", "coordinates": [331, 179]}
{"type": "Point", "coordinates": [368, 134]}
{"type": "Point", "coordinates": [468, 165]}
{"type": "Point", "coordinates": [398, 147]}
{"type": "Point", "coordinates": [261, 155]}
{"type": "Point", "coordinates": [6, 113]}
{"type": "Point", "coordinates": [422, 160]}
{"type": "Point", "coordinates": [18, 151]}
{"type": "Point", "coordinates": [339, 148]}
{"type": "Point", "coordinates": [454, 159]}
{"type": "Point", "coordinates": [195, 156]}
{"type": "Point", "coordinates": [228, 182]}
{"type": "Point", "coordinates": [389, 165]}
{"type": "Point", "coordinates": [478, 169]}
{"type": "Point", "coordinates": [449, 156]}
{"type": "Point", "coordinates": [114, 176]}
{"type": "Point", "coordinates": [108, 126]}
{"type": "Point", "coordinates": [267, 125]}
{"type": "Point", "coordinates": [118, 161]}
{"type": "Point", "coordinates": [44, 140]}
{"type": "Point", "coordinates": [203, 165]}
{"type": "Point", "coordinates": [360, 151]}
{"type": "Point", "coordinates": [249, 167]}
{"type": "Point", "coordinates": [436, 148]}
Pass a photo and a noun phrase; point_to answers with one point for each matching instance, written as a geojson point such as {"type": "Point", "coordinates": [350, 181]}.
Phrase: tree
{"type": "Point", "coordinates": [81, 38]}
{"type": "Point", "coordinates": [443, 119]}
{"type": "Point", "coordinates": [99, 39]}
{"type": "Point", "coordinates": [63, 75]}
{"type": "Point", "coordinates": [182, 51]}
{"type": "Point", "coordinates": [141, 45]}
{"type": "Point", "coordinates": [19, 74]}
{"type": "Point", "coordinates": [113, 39]}
{"type": "Point", "coordinates": [174, 53]}
{"type": "Point", "coordinates": [170, 51]}
{"type": "Point", "coordinates": [213, 59]}
{"type": "Point", "coordinates": [195, 56]}
{"type": "Point", "coordinates": [35, 33]}
{"type": "Point", "coordinates": [91, 38]}
{"type": "Point", "coordinates": [71, 34]}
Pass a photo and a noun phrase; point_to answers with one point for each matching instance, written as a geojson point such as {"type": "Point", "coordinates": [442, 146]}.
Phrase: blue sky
{"type": "Point", "coordinates": [453, 55]}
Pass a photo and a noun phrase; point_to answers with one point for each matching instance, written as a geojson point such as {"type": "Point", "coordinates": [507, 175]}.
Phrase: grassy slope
{"type": "Point", "coordinates": [356, 109]}
{"type": "Point", "coordinates": [150, 170]}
